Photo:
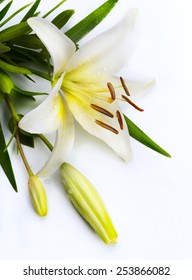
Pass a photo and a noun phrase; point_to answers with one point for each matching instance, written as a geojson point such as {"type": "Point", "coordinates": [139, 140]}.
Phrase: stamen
{"type": "Point", "coordinates": [106, 126]}
{"type": "Point", "coordinates": [131, 103]}
{"type": "Point", "coordinates": [111, 90]}
{"type": "Point", "coordinates": [120, 120]}
{"type": "Point", "coordinates": [102, 110]}
{"type": "Point", "coordinates": [124, 86]}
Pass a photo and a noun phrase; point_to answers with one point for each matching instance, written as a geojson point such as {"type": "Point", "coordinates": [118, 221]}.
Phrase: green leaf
{"type": "Point", "coordinates": [14, 69]}
{"type": "Point", "coordinates": [4, 48]}
{"type": "Point", "coordinates": [140, 136]}
{"type": "Point", "coordinates": [40, 74]}
{"type": "Point", "coordinates": [14, 31]}
{"type": "Point", "coordinates": [27, 41]}
{"type": "Point", "coordinates": [82, 28]}
{"type": "Point", "coordinates": [61, 19]}
{"type": "Point", "coordinates": [5, 161]}
{"type": "Point", "coordinates": [46, 54]}
{"type": "Point", "coordinates": [4, 11]}
{"type": "Point", "coordinates": [24, 137]}
{"type": "Point", "coordinates": [6, 83]}
{"type": "Point", "coordinates": [54, 8]}
{"type": "Point", "coordinates": [14, 14]}
{"type": "Point", "coordinates": [30, 55]}
{"type": "Point", "coordinates": [1, 96]}
{"type": "Point", "coordinates": [31, 12]}
{"type": "Point", "coordinates": [17, 90]}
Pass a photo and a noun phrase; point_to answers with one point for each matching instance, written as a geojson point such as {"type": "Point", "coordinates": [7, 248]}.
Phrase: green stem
{"type": "Point", "coordinates": [28, 168]}
{"type": "Point", "coordinates": [17, 119]}
{"type": "Point", "coordinates": [46, 142]}
{"type": "Point", "coordinates": [11, 108]}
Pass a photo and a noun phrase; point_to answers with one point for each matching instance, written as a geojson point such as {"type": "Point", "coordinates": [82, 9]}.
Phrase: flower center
{"type": "Point", "coordinates": [118, 113]}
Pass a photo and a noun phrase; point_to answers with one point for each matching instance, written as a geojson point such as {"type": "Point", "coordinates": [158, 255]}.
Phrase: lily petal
{"type": "Point", "coordinates": [107, 53]}
{"type": "Point", "coordinates": [60, 47]}
{"type": "Point", "coordinates": [93, 121]}
{"type": "Point", "coordinates": [46, 117]}
{"type": "Point", "coordinates": [63, 143]}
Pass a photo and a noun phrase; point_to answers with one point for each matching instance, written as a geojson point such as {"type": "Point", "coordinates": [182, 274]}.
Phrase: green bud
{"type": "Point", "coordinates": [88, 202]}
{"type": "Point", "coordinates": [6, 84]}
{"type": "Point", "coordinates": [38, 195]}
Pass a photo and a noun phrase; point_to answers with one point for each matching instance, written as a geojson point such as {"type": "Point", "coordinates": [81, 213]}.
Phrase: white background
{"type": "Point", "coordinates": [150, 198]}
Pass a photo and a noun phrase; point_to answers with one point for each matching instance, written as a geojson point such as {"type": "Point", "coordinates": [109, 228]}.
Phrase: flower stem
{"type": "Point", "coordinates": [28, 168]}
{"type": "Point", "coordinates": [11, 108]}
{"type": "Point", "coordinates": [46, 142]}
{"type": "Point", "coordinates": [17, 119]}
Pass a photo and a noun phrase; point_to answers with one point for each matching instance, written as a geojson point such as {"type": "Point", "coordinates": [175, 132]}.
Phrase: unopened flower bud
{"type": "Point", "coordinates": [6, 84]}
{"type": "Point", "coordinates": [38, 195]}
{"type": "Point", "coordinates": [88, 202]}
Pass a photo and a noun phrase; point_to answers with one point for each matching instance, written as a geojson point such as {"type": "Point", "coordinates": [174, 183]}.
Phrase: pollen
{"type": "Point", "coordinates": [102, 110]}
{"type": "Point", "coordinates": [106, 126]}
{"type": "Point", "coordinates": [131, 103]}
{"type": "Point", "coordinates": [124, 86]}
{"type": "Point", "coordinates": [111, 90]}
{"type": "Point", "coordinates": [120, 120]}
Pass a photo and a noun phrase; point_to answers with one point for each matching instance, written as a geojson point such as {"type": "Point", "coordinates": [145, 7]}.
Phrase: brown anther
{"type": "Point", "coordinates": [102, 110]}
{"type": "Point", "coordinates": [111, 90]}
{"type": "Point", "coordinates": [131, 103]}
{"type": "Point", "coordinates": [120, 120]}
{"type": "Point", "coordinates": [124, 86]}
{"type": "Point", "coordinates": [106, 126]}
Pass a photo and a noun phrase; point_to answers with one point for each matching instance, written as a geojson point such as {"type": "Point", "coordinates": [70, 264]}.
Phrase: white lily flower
{"type": "Point", "coordinates": [84, 88]}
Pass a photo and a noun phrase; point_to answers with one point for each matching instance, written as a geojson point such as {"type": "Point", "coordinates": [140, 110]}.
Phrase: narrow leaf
{"type": "Point", "coordinates": [61, 19]}
{"type": "Point", "coordinates": [1, 96]}
{"type": "Point", "coordinates": [82, 28]}
{"type": "Point", "coordinates": [5, 161]}
{"type": "Point", "coordinates": [14, 31]}
{"type": "Point", "coordinates": [14, 69]}
{"type": "Point", "coordinates": [4, 11]}
{"type": "Point", "coordinates": [40, 74]}
{"type": "Point", "coordinates": [140, 136]}
{"type": "Point", "coordinates": [30, 55]}
{"type": "Point", "coordinates": [32, 10]}
{"type": "Point", "coordinates": [4, 48]}
{"type": "Point", "coordinates": [27, 93]}
{"type": "Point", "coordinates": [14, 14]}
{"type": "Point", "coordinates": [27, 41]}
{"type": "Point", "coordinates": [54, 8]}
{"type": "Point", "coordinates": [25, 138]}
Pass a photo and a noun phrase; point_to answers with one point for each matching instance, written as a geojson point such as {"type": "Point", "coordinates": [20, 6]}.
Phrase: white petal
{"type": "Point", "coordinates": [60, 47]}
{"type": "Point", "coordinates": [63, 143]}
{"type": "Point", "coordinates": [46, 117]}
{"type": "Point", "coordinates": [109, 52]}
{"type": "Point", "coordinates": [87, 116]}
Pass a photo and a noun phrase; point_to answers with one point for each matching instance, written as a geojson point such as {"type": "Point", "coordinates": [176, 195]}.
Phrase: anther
{"type": "Point", "coordinates": [106, 126]}
{"type": "Point", "coordinates": [111, 90]}
{"type": "Point", "coordinates": [102, 110]}
{"type": "Point", "coordinates": [131, 103]}
{"type": "Point", "coordinates": [120, 120]}
{"type": "Point", "coordinates": [124, 86]}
